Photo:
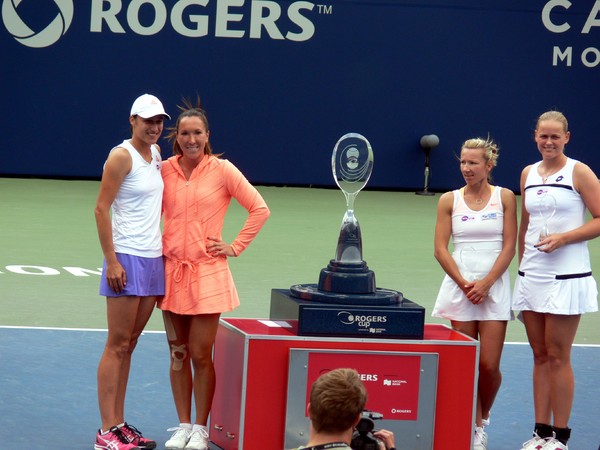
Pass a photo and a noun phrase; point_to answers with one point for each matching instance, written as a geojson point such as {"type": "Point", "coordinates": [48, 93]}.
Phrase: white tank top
{"type": "Point", "coordinates": [569, 213]}
{"type": "Point", "coordinates": [137, 207]}
{"type": "Point", "coordinates": [484, 228]}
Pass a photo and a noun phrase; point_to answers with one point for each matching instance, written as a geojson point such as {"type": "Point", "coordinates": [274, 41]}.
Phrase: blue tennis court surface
{"type": "Point", "coordinates": [48, 392]}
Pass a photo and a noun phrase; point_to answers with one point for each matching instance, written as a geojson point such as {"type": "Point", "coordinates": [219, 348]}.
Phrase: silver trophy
{"type": "Point", "coordinates": [547, 209]}
{"type": "Point", "coordinates": [347, 279]}
{"type": "Point", "coordinates": [351, 164]}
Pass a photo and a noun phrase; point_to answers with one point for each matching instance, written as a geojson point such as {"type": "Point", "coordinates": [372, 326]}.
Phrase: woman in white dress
{"type": "Point", "coordinates": [555, 283]}
{"type": "Point", "coordinates": [475, 294]}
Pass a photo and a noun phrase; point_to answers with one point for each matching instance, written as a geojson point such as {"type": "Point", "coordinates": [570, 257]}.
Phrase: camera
{"type": "Point", "coordinates": [362, 437]}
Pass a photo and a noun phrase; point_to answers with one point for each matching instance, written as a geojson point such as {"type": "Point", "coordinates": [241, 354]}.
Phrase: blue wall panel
{"type": "Point", "coordinates": [279, 96]}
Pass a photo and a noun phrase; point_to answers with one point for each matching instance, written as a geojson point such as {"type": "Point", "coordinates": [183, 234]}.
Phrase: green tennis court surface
{"type": "Point", "coordinates": [50, 256]}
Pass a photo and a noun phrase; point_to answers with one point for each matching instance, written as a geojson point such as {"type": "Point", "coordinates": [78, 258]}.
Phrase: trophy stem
{"type": "Point", "coordinates": [350, 197]}
{"type": "Point", "coordinates": [349, 248]}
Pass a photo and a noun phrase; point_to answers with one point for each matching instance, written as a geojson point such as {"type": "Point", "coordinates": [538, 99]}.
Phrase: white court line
{"type": "Point", "coordinates": [68, 329]}
{"type": "Point", "coordinates": [162, 332]}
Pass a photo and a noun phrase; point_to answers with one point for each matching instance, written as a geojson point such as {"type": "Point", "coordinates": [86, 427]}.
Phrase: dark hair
{"type": "Point", "coordinates": [188, 110]}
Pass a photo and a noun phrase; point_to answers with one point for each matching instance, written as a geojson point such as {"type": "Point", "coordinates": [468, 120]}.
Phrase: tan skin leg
{"type": "Point", "coordinates": [127, 317]}
{"type": "Point", "coordinates": [491, 334]}
{"type": "Point", "coordinates": [192, 370]}
{"type": "Point", "coordinates": [551, 338]}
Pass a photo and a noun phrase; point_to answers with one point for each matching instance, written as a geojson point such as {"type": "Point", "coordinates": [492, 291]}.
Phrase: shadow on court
{"type": "Point", "coordinates": [48, 392]}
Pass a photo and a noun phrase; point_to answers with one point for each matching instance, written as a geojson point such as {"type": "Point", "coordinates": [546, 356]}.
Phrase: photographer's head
{"type": "Point", "coordinates": [337, 399]}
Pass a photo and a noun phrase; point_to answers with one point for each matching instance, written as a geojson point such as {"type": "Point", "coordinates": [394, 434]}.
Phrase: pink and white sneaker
{"type": "Point", "coordinates": [134, 436]}
{"type": "Point", "coordinates": [113, 439]}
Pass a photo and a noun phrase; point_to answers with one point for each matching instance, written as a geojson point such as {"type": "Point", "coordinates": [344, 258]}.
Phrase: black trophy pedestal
{"type": "Point", "coordinates": [345, 283]}
{"type": "Point", "coordinates": [346, 278]}
{"type": "Point", "coordinates": [398, 320]}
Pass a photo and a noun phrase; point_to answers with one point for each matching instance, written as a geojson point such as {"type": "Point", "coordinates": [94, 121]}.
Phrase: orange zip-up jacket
{"type": "Point", "coordinates": [193, 210]}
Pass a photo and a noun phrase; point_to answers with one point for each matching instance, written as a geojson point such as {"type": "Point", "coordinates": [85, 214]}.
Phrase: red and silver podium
{"type": "Point", "coordinates": [425, 389]}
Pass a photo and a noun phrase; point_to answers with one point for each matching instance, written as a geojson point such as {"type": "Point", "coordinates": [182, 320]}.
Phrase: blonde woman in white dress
{"type": "Point", "coordinates": [475, 294]}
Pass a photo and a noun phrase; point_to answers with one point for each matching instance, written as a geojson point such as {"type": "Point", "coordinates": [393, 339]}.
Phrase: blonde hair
{"type": "Point", "coordinates": [489, 147]}
{"type": "Point", "coordinates": [557, 116]}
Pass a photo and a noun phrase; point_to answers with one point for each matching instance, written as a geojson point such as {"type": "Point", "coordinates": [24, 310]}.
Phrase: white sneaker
{"type": "Point", "coordinates": [198, 440]}
{"type": "Point", "coordinates": [554, 444]}
{"type": "Point", "coordinates": [179, 438]}
{"type": "Point", "coordinates": [480, 439]}
{"type": "Point", "coordinates": [535, 443]}
{"type": "Point", "coordinates": [486, 422]}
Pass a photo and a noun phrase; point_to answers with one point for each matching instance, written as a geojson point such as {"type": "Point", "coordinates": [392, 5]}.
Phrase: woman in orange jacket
{"type": "Point", "coordinates": [199, 287]}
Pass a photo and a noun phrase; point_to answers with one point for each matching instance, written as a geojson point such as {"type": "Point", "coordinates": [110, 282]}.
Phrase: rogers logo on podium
{"type": "Point", "coordinates": [363, 320]}
{"type": "Point", "coordinates": [228, 18]}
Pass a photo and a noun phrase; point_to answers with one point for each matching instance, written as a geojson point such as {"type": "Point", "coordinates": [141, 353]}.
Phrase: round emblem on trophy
{"type": "Point", "coordinates": [352, 163]}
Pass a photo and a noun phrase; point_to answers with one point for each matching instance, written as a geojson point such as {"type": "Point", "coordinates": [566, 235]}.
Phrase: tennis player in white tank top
{"type": "Point", "coordinates": [475, 293]}
{"type": "Point", "coordinates": [555, 283]}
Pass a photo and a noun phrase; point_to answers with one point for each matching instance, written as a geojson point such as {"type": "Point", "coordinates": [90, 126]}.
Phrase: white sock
{"type": "Point", "coordinates": [102, 432]}
{"type": "Point", "coordinates": [197, 427]}
{"type": "Point", "coordinates": [186, 426]}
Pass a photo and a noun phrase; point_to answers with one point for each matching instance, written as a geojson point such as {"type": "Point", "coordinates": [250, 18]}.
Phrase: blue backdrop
{"type": "Point", "coordinates": [283, 80]}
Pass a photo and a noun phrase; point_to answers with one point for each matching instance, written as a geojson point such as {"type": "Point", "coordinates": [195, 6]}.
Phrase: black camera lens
{"type": "Point", "coordinates": [365, 425]}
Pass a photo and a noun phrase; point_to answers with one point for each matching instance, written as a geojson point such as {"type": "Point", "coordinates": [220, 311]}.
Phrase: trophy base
{"type": "Point", "coordinates": [399, 320]}
{"type": "Point", "coordinates": [380, 297]}
{"type": "Point", "coordinates": [347, 278]}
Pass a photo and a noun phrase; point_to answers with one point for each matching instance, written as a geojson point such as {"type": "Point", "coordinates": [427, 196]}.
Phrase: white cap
{"type": "Point", "coordinates": [147, 106]}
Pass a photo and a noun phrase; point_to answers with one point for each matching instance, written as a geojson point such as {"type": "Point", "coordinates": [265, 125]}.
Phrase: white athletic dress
{"type": "Point", "coordinates": [477, 237]}
{"type": "Point", "coordinates": [560, 282]}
